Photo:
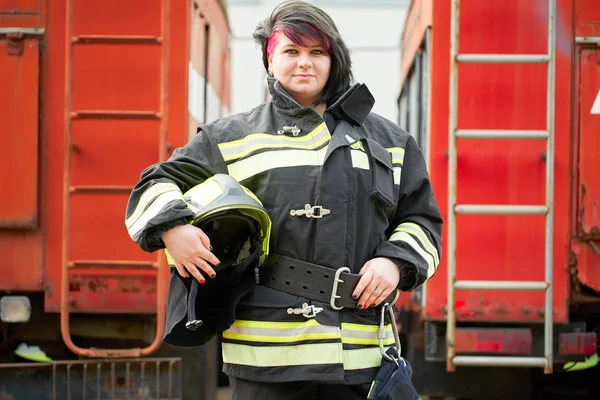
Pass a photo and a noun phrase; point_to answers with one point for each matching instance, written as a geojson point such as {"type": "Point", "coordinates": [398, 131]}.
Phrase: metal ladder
{"type": "Point", "coordinates": [71, 190]}
{"type": "Point", "coordinates": [452, 360]}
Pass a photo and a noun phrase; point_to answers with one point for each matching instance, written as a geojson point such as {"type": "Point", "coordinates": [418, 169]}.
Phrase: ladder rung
{"type": "Point", "coordinates": [500, 209]}
{"type": "Point", "coordinates": [501, 285]}
{"type": "Point", "coordinates": [101, 189]}
{"type": "Point", "coordinates": [500, 134]}
{"type": "Point", "coordinates": [503, 58]}
{"type": "Point", "coordinates": [115, 114]}
{"type": "Point", "coordinates": [494, 361]}
{"type": "Point", "coordinates": [117, 39]}
{"type": "Point", "coordinates": [112, 264]}
{"type": "Point", "coordinates": [588, 39]}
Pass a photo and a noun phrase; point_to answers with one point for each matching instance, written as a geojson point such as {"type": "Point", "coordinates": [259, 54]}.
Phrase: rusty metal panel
{"type": "Point", "coordinates": [586, 246]}
{"type": "Point", "coordinates": [19, 113]}
{"type": "Point", "coordinates": [501, 96]}
{"type": "Point", "coordinates": [152, 378]}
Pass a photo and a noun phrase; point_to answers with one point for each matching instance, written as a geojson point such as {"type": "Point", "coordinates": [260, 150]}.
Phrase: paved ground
{"type": "Point", "coordinates": [225, 394]}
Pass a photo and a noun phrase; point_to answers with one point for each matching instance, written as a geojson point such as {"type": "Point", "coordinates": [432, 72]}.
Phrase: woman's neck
{"type": "Point", "coordinates": [320, 109]}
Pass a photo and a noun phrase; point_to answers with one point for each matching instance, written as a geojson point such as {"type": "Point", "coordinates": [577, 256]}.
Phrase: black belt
{"type": "Point", "coordinates": [312, 281]}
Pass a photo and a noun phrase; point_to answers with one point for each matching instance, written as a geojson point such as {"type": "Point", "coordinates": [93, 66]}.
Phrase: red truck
{"type": "Point", "coordinates": [92, 93]}
{"type": "Point", "coordinates": [504, 100]}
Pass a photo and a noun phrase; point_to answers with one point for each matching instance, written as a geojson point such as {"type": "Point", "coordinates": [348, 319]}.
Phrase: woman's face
{"type": "Point", "coordinates": [302, 71]}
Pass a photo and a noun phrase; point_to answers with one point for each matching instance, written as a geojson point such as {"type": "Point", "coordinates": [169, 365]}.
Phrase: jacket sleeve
{"type": "Point", "coordinates": [156, 202]}
{"type": "Point", "coordinates": [415, 230]}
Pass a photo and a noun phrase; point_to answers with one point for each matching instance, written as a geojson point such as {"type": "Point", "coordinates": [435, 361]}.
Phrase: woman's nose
{"type": "Point", "coordinates": [304, 61]}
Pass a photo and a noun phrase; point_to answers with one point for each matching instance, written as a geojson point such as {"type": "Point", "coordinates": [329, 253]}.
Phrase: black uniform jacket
{"type": "Point", "coordinates": [366, 171]}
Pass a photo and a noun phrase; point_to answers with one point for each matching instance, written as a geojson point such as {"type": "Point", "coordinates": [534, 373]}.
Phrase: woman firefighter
{"type": "Point", "coordinates": [341, 202]}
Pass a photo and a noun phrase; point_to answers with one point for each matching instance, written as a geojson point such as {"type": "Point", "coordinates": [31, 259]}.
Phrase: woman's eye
{"type": "Point", "coordinates": [319, 52]}
{"type": "Point", "coordinates": [291, 51]}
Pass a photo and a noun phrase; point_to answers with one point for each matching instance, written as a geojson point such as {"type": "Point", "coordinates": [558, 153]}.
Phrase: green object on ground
{"type": "Point", "coordinates": [589, 362]}
{"type": "Point", "coordinates": [32, 353]}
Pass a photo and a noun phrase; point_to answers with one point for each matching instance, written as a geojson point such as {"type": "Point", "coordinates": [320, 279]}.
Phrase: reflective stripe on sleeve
{"type": "Point", "coordinates": [150, 194]}
{"type": "Point", "coordinates": [417, 231]}
{"type": "Point", "coordinates": [425, 255]}
{"type": "Point", "coordinates": [153, 210]}
{"type": "Point", "coordinates": [280, 356]}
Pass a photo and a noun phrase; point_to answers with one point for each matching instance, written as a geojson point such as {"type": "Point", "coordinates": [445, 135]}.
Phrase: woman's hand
{"type": "Point", "coordinates": [189, 246]}
{"type": "Point", "coordinates": [380, 277]}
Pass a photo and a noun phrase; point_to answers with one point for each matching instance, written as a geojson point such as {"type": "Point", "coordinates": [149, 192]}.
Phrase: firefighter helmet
{"type": "Point", "coordinates": [239, 229]}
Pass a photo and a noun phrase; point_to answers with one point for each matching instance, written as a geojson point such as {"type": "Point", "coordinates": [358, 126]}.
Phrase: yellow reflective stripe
{"type": "Point", "coordinates": [280, 339]}
{"type": "Point", "coordinates": [256, 141]}
{"type": "Point", "coordinates": [362, 327]}
{"type": "Point", "coordinates": [155, 208]}
{"type": "Point", "coordinates": [368, 342]}
{"type": "Point", "coordinates": [359, 159]}
{"type": "Point", "coordinates": [397, 155]}
{"type": "Point", "coordinates": [280, 332]}
{"type": "Point", "coordinates": [280, 356]}
{"type": "Point", "coordinates": [275, 325]}
{"type": "Point", "coordinates": [416, 230]}
{"type": "Point", "coordinates": [369, 357]}
{"type": "Point", "coordinates": [148, 196]}
{"type": "Point", "coordinates": [408, 239]}
{"type": "Point", "coordinates": [262, 162]}
{"type": "Point", "coordinates": [365, 334]}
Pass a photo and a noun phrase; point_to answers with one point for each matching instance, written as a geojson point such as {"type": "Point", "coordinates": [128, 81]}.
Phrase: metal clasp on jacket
{"type": "Point", "coordinates": [286, 130]}
{"type": "Point", "coordinates": [311, 212]}
{"type": "Point", "coordinates": [308, 311]}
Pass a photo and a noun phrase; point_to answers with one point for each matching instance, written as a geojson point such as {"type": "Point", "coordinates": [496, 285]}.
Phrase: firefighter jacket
{"type": "Point", "coordinates": [366, 171]}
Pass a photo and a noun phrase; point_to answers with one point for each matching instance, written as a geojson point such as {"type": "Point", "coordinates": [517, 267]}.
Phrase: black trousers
{"type": "Point", "coordinates": [250, 390]}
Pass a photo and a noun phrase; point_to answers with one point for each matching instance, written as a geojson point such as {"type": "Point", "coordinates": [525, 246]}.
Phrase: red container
{"type": "Point", "coordinates": [512, 96]}
{"type": "Point", "coordinates": [92, 93]}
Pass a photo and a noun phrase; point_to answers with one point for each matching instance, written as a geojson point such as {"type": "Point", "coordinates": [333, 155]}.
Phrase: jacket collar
{"type": "Point", "coordinates": [353, 106]}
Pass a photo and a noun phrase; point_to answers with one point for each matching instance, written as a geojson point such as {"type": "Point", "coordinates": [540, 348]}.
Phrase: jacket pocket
{"type": "Point", "coordinates": [382, 174]}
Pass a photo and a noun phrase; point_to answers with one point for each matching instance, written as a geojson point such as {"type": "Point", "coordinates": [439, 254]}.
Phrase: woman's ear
{"type": "Point", "coordinates": [270, 68]}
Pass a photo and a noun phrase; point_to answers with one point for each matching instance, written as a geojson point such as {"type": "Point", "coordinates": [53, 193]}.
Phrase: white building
{"type": "Point", "coordinates": [371, 29]}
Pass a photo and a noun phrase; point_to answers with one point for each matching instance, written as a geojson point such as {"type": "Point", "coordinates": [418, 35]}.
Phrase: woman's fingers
{"type": "Point", "coordinates": [361, 290]}
{"type": "Point", "coordinates": [206, 255]}
{"type": "Point", "coordinates": [377, 292]}
{"type": "Point", "coordinates": [181, 269]}
{"type": "Point", "coordinates": [192, 269]}
{"type": "Point", "coordinates": [204, 266]}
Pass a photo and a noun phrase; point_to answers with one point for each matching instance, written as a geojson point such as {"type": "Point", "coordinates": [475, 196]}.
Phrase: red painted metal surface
{"type": "Point", "coordinates": [19, 63]}
{"type": "Point", "coordinates": [21, 243]}
{"type": "Point", "coordinates": [114, 133]}
{"type": "Point", "coordinates": [501, 96]}
{"type": "Point", "coordinates": [586, 241]}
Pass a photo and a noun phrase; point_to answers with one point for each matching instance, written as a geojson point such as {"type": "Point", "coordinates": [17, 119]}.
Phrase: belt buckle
{"type": "Point", "coordinates": [336, 282]}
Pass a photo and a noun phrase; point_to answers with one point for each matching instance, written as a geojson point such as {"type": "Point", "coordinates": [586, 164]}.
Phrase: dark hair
{"type": "Point", "coordinates": [303, 19]}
